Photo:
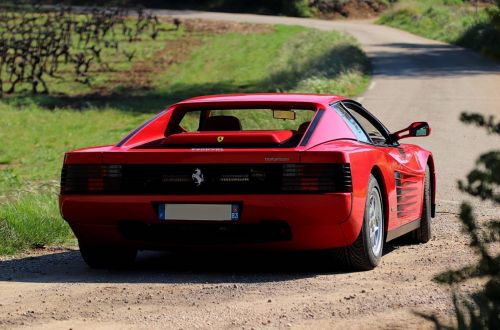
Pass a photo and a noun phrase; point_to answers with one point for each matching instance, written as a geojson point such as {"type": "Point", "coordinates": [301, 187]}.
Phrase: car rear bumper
{"type": "Point", "coordinates": [278, 222]}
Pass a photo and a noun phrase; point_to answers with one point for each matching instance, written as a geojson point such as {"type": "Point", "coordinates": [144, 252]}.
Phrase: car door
{"type": "Point", "coordinates": [406, 198]}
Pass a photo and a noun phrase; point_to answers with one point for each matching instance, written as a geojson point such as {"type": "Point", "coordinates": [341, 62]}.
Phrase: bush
{"type": "Point", "coordinates": [450, 21]}
{"type": "Point", "coordinates": [481, 310]}
{"type": "Point", "coordinates": [484, 36]}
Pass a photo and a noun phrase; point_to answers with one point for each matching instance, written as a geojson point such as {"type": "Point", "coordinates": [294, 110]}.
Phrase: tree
{"type": "Point", "coordinates": [480, 310]}
{"type": "Point", "coordinates": [36, 44]}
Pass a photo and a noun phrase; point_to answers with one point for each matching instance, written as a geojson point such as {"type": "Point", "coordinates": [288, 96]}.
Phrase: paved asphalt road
{"type": "Point", "coordinates": [414, 79]}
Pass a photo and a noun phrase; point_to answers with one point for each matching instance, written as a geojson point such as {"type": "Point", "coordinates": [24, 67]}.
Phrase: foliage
{"type": "Point", "coordinates": [35, 44]}
{"type": "Point", "coordinates": [328, 7]}
{"type": "Point", "coordinates": [457, 22]}
{"type": "Point", "coordinates": [300, 8]}
{"type": "Point", "coordinates": [484, 36]}
{"type": "Point", "coordinates": [481, 310]}
{"type": "Point", "coordinates": [269, 7]}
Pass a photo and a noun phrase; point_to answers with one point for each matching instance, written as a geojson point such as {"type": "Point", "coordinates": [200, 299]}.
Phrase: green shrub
{"type": "Point", "coordinates": [451, 21]}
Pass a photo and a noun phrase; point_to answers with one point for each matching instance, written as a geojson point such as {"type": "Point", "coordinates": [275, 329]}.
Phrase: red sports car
{"type": "Point", "coordinates": [251, 171]}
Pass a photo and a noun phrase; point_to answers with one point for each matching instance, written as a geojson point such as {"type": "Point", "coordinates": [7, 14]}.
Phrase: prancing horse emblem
{"type": "Point", "coordinates": [197, 177]}
{"type": "Point", "coordinates": [220, 139]}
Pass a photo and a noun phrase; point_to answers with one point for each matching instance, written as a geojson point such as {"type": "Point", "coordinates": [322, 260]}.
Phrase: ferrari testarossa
{"type": "Point", "coordinates": [251, 171]}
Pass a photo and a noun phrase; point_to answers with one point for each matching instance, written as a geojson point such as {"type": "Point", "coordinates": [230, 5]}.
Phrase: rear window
{"type": "Point", "coordinates": [246, 119]}
{"type": "Point", "coordinates": [235, 128]}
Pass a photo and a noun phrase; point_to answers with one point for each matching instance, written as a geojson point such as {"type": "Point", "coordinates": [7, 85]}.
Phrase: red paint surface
{"type": "Point", "coordinates": [317, 221]}
{"type": "Point", "coordinates": [243, 137]}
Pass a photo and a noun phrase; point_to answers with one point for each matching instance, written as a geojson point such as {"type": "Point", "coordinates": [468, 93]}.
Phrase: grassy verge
{"type": "Point", "coordinates": [36, 130]}
{"type": "Point", "coordinates": [452, 21]}
{"type": "Point", "coordinates": [289, 59]}
{"type": "Point", "coordinates": [32, 220]}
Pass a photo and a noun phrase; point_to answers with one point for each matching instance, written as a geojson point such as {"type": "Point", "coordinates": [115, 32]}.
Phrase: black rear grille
{"type": "Point", "coordinates": [206, 233]}
{"type": "Point", "coordinates": [206, 179]}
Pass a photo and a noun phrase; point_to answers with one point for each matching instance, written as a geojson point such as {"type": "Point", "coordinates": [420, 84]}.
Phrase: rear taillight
{"type": "Point", "coordinates": [317, 177]}
{"type": "Point", "coordinates": [170, 179]}
{"type": "Point", "coordinates": [90, 178]}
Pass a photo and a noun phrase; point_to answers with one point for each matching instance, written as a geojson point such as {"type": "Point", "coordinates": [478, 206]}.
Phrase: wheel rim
{"type": "Point", "coordinates": [375, 221]}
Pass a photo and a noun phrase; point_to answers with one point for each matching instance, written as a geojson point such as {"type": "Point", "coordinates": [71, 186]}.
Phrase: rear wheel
{"type": "Point", "coordinates": [424, 233]}
{"type": "Point", "coordinates": [107, 257]}
{"type": "Point", "coordinates": [366, 251]}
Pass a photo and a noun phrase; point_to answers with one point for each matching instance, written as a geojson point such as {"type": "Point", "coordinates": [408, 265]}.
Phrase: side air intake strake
{"type": "Point", "coordinates": [407, 197]}
{"type": "Point", "coordinates": [206, 179]}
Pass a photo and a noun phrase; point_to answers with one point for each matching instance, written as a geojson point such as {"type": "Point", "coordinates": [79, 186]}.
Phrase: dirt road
{"type": "Point", "coordinates": [414, 79]}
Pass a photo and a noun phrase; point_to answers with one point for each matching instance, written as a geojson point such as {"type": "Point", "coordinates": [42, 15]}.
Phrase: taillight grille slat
{"type": "Point", "coordinates": [212, 179]}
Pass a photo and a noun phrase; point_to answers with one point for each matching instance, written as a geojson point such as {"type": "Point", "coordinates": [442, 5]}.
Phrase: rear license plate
{"type": "Point", "coordinates": [199, 212]}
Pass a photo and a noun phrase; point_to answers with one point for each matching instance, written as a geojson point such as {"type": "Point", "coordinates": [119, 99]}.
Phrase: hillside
{"type": "Point", "coordinates": [300, 8]}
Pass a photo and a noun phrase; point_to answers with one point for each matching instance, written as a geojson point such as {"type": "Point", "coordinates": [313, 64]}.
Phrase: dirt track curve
{"type": "Point", "coordinates": [414, 79]}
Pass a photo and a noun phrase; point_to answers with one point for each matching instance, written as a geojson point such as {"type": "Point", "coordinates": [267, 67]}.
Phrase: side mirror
{"type": "Point", "coordinates": [419, 128]}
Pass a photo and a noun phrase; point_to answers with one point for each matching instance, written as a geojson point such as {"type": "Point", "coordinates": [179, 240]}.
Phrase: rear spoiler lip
{"type": "Point", "coordinates": [232, 137]}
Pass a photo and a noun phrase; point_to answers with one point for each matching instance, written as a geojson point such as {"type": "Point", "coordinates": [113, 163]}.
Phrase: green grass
{"type": "Point", "coordinates": [290, 59]}
{"type": "Point", "coordinates": [34, 140]}
{"type": "Point", "coordinates": [36, 130]}
{"type": "Point", "coordinates": [452, 21]}
{"type": "Point", "coordinates": [33, 220]}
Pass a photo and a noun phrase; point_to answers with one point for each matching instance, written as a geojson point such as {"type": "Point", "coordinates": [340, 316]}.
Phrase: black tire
{"type": "Point", "coordinates": [365, 253]}
{"type": "Point", "coordinates": [424, 233]}
{"type": "Point", "coordinates": [107, 257]}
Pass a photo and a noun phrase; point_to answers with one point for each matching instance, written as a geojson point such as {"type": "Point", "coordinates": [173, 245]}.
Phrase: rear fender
{"type": "Point", "coordinates": [384, 184]}
{"type": "Point", "coordinates": [363, 161]}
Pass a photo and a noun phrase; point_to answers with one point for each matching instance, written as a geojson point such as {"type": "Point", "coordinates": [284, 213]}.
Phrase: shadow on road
{"type": "Point", "coordinates": [413, 59]}
{"type": "Point", "coordinates": [169, 267]}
